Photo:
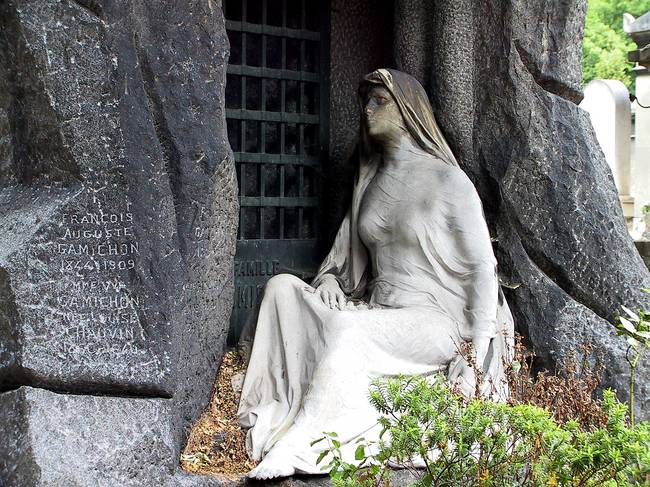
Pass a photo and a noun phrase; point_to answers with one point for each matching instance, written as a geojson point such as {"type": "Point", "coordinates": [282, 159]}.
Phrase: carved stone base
{"type": "Point", "coordinates": [64, 439]}
{"type": "Point", "coordinates": [399, 479]}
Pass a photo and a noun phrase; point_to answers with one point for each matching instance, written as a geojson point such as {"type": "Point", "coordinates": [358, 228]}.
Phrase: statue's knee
{"type": "Point", "coordinates": [342, 341]}
{"type": "Point", "coordinates": [281, 283]}
{"type": "Point", "coordinates": [342, 327]}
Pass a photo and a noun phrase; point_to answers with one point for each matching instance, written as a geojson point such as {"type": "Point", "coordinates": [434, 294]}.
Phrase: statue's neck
{"type": "Point", "coordinates": [400, 151]}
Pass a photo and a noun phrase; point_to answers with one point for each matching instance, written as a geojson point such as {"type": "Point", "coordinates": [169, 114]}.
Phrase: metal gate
{"type": "Point", "coordinates": [275, 103]}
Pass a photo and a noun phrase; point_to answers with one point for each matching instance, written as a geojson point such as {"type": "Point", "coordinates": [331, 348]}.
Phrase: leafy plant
{"type": "Point", "coordinates": [635, 327]}
{"type": "Point", "coordinates": [482, 443]}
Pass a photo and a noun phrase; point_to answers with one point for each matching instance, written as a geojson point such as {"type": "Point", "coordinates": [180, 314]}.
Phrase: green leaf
{"type": "Point", "coordinates": [643, 334]}
{"type": "Point", "coordinates": [322, 455]}
{"type": "Point", "coordinates": [631, 313]}
{"type": "Point", "coordinates": [627, 325]}
{"type": "Point", "coordinates": [317, 441]}
{"type": "Point", "coordinates": [360, 453]}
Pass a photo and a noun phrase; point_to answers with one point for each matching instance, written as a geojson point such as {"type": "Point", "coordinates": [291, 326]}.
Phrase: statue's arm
{"type": "Point", "coordinates": [339, 265]}
{"type": "Point", "coordinates": [333, 280]}
{"type": "Point", "coordinates": [334, 264]}
{"type": "Point", "coordinates": [480, 282]}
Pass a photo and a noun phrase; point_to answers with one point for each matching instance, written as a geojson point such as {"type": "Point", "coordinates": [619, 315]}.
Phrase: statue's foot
{"type": "Point", "coordinates": [271, 468]}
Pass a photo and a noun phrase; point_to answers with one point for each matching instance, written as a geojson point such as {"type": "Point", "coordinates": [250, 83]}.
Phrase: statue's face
{"type": "Point", "coordinates": [382, 114]}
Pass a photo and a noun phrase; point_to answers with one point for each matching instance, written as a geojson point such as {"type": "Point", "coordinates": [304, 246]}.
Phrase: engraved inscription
{"type": "Point", "coordinates": [247, 295]}
{"type": "Point", "coordinates": [95, 251]}
{"type": "Point", "coordinates": [202, 292]}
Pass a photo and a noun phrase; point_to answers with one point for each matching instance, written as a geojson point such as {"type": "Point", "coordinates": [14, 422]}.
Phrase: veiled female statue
{"type": "Point", "coordinates": [410, 278]}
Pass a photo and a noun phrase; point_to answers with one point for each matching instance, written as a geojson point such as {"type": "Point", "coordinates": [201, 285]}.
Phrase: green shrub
{"type": "Point", "coordinates": [482, 443]}
{"type": "Point", "coordinates": [636, 330]}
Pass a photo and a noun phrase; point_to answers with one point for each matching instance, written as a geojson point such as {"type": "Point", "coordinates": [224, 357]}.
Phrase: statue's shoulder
{"type": "Point", "coordinates": [454, 176]}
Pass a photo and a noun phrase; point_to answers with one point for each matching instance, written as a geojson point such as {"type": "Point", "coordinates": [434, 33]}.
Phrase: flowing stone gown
{"type": "Point", "coordinates": [415, 255]}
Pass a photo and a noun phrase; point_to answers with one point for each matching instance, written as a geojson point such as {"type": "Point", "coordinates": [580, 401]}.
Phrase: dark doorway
{"type": "Point", "coordinates": [276, 110]}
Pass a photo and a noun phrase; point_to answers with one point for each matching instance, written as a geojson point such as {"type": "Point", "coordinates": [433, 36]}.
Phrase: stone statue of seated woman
{"type": "Point", "coordinates": [411, 277]}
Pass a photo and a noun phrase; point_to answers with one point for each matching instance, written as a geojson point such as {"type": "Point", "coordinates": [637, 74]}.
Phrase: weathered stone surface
{"type": "Point", "coordinates": [505, 83]}
{"type": "Point", "coordinates": [51, 439]}
{"type": "Point", "coordinates": [85, 440]}
{"type": "Point", "coordinates": [16, 460]}
{"type": "Point", "coordinates": [118, 196]}
{"type": "Point", "coordinates": [118, 214]}
{"type": "Point", "coordinates": [412, 38]}
{"type": "Point", "coordinates": [554, 323]}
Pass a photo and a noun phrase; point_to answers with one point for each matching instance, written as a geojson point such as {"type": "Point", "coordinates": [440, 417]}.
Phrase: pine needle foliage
{"type": "Point", "coordinates": [481, 443]}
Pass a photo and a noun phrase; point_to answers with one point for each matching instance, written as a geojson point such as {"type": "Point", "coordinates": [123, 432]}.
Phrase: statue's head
{"type": "Point", "coordinates": [394, 104]}
{"type": "Point", "coordinates": [381, 116]}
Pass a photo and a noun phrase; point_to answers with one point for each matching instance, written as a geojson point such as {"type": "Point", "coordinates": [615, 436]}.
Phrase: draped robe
{"type": "Point", "coordinates": [311, 366]}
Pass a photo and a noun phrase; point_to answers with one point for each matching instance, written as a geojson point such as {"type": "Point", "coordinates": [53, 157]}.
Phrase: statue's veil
{"type": "Point", "coordinates": [413, 103]}
{"type": "Point", "coordinates": [348, 258]}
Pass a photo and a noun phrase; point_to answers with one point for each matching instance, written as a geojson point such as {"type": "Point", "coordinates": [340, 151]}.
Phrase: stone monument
{"type": "Point", "coordinates": [118, 205]}
{"type": "Point", "coordinates": [608, 104]}
{"type": "Point", "coordinates": [411, 277]}
{"type": "Point", "coordinates": [639, 30]}
{"type": "Point", "coordinates": [118, 216]}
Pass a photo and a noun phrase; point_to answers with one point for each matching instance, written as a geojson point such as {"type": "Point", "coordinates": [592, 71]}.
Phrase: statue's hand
{"type": "Point", "coordinates": [481, 346]}
{"type": "Point", "coordinates": [331, 293]}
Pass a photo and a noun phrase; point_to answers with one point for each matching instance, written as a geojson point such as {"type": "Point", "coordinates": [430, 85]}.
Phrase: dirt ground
{"type": "Point", "coordinates": [217, 444]}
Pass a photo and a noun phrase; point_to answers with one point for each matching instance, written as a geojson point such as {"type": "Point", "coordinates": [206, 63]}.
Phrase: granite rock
{"type": "Point", "coordinates": [505, 86]}
{"type": "Point", "coordinates": [51, 440]}
{"type": "Point", "coordinates": [118, 216]}
{"type": "Point", "coordinates": [83, 440]}
{"type": "Point", "coordinates": [118, 197]}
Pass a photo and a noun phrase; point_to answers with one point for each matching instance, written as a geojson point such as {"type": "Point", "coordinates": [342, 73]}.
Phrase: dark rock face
{"type": "Point", "coordinates": [360, 42]}
{"type": "Point", "coordinates": [86, 440]}
{"type": "Point", "coordinates": [118, 214]}
{"type": "Point", "coordinates": [548, 193]}
{"type": "Point", "coordinates": [118, 207]}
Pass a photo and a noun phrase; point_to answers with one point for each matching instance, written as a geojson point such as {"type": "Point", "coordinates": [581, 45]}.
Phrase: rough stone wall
{"type": "Point", "coordinates": [453, 76]}
{"type": "Point", "coordinates": [504, 78]}
{"type": "Point", "coordinates": [118, 214]}
{"type": "Point", "coordinates": [412, 38]}
{"type": "Point", "coordinates": [360, 42]}
{"type": "Point", "coordinates": [511, 77]}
